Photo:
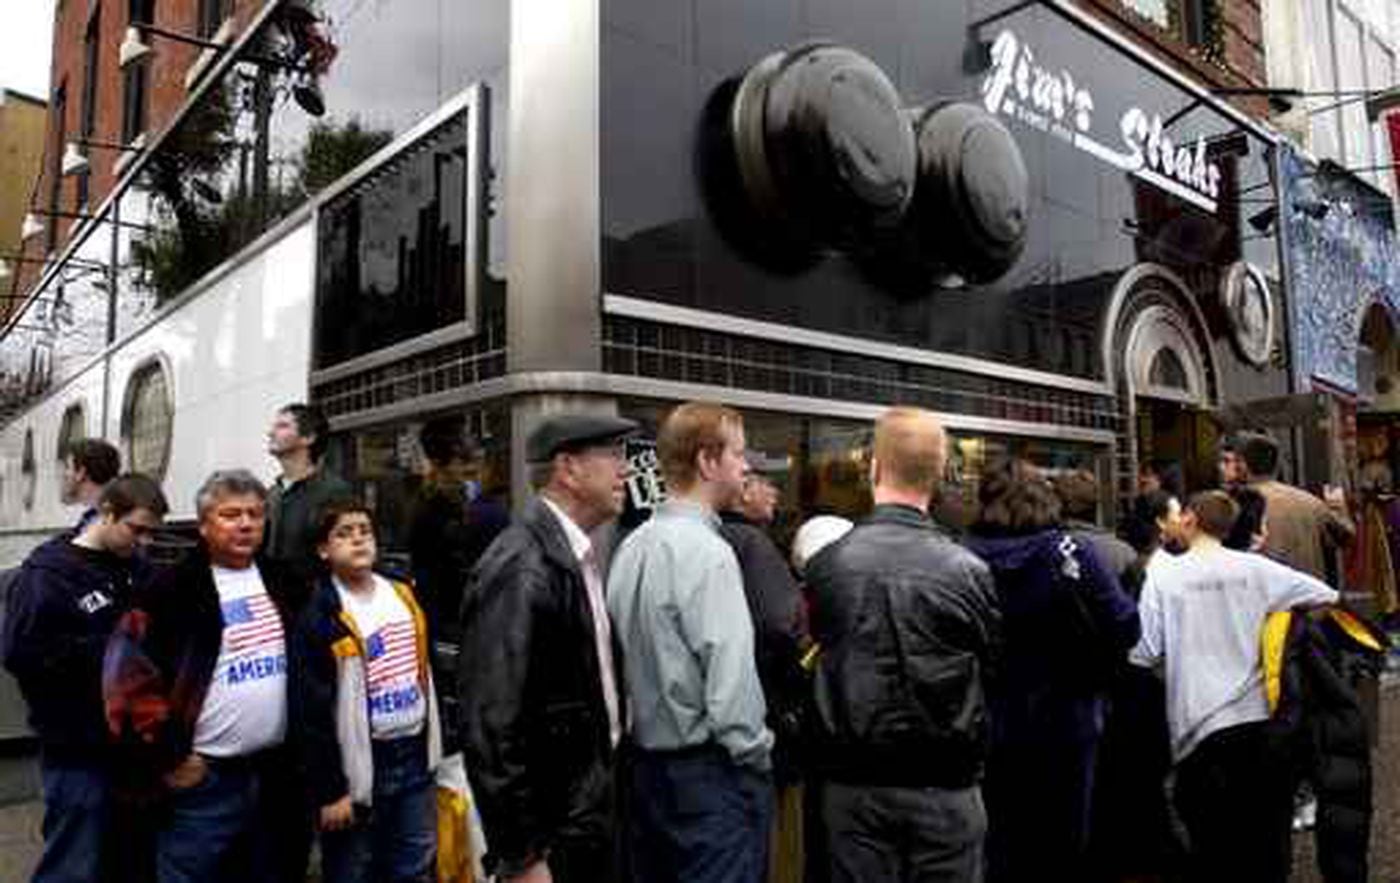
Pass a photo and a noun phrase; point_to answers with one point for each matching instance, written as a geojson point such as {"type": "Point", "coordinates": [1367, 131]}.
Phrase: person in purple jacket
{"type": "Point", "coordinates": [1066, 623]}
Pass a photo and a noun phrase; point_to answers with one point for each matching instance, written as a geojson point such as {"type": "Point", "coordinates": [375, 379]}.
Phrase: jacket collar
{"type": "Point", "coordinates": [549, 533]}
{"type": "Point", "coordinates": [898, 513]}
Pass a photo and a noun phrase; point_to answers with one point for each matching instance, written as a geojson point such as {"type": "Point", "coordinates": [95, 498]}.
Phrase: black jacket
{"type": "Point", "coordinates": [61, 609]}
{"type": "Point", "coordinates": [534, 723]}
{"type": "Point", "coordinates": [909, 628]}
{"type": "Point", "coordinates": [164, 651]}
{"type": "Point", "coordinates": [780, 635]}
{"type": "Point", "coordinates": [1319, 717]}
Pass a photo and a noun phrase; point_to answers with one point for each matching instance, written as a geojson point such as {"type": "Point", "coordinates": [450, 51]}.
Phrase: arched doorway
{"type": "Point", "coordinates": [1165, 374]}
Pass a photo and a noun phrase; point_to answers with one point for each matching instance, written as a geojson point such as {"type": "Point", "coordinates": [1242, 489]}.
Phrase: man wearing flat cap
{"type": "Point", "coordinates": [540, 709]}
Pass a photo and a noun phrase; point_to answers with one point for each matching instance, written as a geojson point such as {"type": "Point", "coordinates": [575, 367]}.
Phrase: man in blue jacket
{"type": "Point", "coordinates": [61, 611]}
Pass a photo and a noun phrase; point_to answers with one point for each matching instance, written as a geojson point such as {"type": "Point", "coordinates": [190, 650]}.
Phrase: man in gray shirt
{"type": "Point", "coordinates": [701, 789]}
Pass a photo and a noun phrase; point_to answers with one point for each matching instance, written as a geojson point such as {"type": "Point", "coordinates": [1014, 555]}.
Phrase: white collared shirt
{"type": "Point", "coordinates": [582, 548]}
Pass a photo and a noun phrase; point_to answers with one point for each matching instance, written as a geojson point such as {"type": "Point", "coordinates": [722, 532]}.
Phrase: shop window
{"type": "Point", "coordinates": [28, 470]}
{"type": "Point", "coordinates": [392, 254]}
{"type": "Point", "coordinates": [823, 465]}
{"type": "Point", "coordinates": [147, 421]}
{"type": "Point", "coordinates": [71, 430]}
{"type": "Point", "coordinates": [439, 487]}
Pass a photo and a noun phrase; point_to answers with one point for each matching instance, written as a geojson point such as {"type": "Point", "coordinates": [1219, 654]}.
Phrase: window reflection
{"type": "Point", "coordinates": [827, 464]}
{"type": "Point", "coordinates": [312, 96]}
{"type": "Point", "coordinates": [391, 261]}
{"type": "Point", "coordinates": [439, 486]}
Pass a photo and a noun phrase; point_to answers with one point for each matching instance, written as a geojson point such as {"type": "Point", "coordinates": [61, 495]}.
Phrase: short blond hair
{"type": "Point", "coordinates": [688, 430]}
{"type": "Point", "coordinates": [910, 446]}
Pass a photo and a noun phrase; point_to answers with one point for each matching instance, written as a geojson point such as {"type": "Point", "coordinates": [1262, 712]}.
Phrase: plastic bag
{"type": "Point", "coordinates": [461, 841]}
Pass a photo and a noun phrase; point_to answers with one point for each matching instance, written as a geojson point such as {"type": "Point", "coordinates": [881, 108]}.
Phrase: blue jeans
{"type": "Point", "coordinates": [76, 802]}
{"type": "Point", "coordinates": [697, 817]}
{"type": "Point", "coordinates": [395, 839]}
{"type": "Point", "coordinates": [213, 831]}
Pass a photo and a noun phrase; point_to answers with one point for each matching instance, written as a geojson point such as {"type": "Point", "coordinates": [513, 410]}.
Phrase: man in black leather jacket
{"type": "Point", "coordinates": [539, 674]}
{"type": "Point", "coordinates": [908, 624]}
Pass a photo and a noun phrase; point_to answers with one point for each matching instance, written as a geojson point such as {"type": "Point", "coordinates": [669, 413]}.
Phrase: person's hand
{"type": "Point", "coordinates": [337, 816]}
{"type": "Point", "coordinates": [1334, 497]}
{"type": "Point", "coordinates": [536, 873]}
{"type": "Point", "coordinates": [190, 772]}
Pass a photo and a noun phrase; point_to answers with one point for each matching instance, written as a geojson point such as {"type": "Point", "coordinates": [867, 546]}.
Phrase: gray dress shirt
{"type": "Point", "coordinates": [676, 596]}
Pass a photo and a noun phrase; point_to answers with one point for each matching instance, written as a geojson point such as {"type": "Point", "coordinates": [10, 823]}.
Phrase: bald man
{"type": "Point", "coordinates": [908, 623]}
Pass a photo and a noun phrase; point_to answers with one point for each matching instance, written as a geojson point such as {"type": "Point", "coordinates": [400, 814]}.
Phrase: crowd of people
{"type": "Point", "coordinates": [1035, 698]}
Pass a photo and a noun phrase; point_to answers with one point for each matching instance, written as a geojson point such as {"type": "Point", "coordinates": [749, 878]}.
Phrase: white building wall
{"type": "Point", "coordinates": [235, 353]}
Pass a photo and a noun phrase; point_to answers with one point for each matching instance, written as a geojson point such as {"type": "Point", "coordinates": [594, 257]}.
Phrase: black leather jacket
{"type": "Point", "coordinates": [534, 723]}
{"type": "Point", "coordinates": [909, 628]}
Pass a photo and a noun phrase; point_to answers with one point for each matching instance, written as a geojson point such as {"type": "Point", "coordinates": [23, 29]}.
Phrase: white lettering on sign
{"type": "Point", "coordinates": [1054, 102]}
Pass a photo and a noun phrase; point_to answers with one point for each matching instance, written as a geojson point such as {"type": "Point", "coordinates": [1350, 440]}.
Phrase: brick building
{"type": "Point", "coordinates": [94, 98]}
{"type": "Point", "coordinates": [22, 120]}
{"type": "Point", "coordinates": [1218, 43]}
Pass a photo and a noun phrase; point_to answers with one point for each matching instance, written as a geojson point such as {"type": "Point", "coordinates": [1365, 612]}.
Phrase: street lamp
{"type": "Point", "coordinates": [75, 162]}
{"type": "Point", "coordinates": [134, 48]}
{"type": "Point", "coordinates": [32, 226]}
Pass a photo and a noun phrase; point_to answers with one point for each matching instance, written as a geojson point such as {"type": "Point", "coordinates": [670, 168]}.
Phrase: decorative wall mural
{"type": "Point", "coordinates": [1340, 247]}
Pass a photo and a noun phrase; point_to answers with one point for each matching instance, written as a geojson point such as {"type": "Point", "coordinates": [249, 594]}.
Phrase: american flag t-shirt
{"type": "Point", "coordinates": [251, 625]}
{"type": "Point", "coordinates": [245, 708]}
{"type": "Point", "coordinates": [396, 703]}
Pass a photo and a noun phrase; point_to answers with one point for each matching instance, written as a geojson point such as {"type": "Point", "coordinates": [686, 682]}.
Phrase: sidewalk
{"type": "Point", "coordinates": [20, 836]}
{"type": "Point", "coordinates": [19, 840]}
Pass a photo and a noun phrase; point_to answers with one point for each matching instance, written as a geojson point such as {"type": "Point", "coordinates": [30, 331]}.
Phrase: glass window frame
{"type": "Point", "coordinates": [141, 375]}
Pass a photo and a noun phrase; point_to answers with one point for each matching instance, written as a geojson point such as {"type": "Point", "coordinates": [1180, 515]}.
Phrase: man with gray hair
{"type": "Point", "coordinates": [195, 685]}
{"type": "Point", "coordinates": [541, 716]}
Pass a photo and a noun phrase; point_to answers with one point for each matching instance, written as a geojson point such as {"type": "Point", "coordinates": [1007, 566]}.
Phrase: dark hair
{"type": "Point", "coordinates": [312, 424]}
{"type": "Point", "coordinates": [1250, 520]}
{"type": "Point", "coordinates": [444, 439]}
{"type": "Point", "coordinates": [98, 459]}
{"type": "Point", "coordinates": [332, 512]}
{"type": "Point", "coordinates": [127, 493]}
{"type": "Point", "coordinates": [1260, 454]}
{"type": "Point", "coordinates": [1169, 475]}
{"type": "Point", "coordinates": [1141, 530]}
{"type": "Point", "coordinates": [1078, 491]}
{"type": "Point", "coordinates": [1215, 512]}
{"type": "Point", "coordinates": [1016, 498]}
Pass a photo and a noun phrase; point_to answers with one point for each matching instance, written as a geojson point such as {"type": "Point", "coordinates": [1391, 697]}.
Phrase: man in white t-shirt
{"type": "Point", "coordinates": [197, 675]}
{"type": "Point", "coordinates": [1203, 615]}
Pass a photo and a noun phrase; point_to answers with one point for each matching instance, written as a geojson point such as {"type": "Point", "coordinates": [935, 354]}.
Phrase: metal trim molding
{"type": "Point", "coordinates": [636, 308]}
{"type": "Point", "coordinates": [599, 384]}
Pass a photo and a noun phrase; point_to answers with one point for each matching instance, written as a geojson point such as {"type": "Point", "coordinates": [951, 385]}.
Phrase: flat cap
{"type": "Point", "coordinates": [562, 432]}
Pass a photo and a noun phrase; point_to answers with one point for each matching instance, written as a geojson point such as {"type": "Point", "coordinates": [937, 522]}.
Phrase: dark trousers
{"type": "Point", "coordinates": [1235, 796]}
{"type": "Point", "coordinates": [76, 807]}
{"type": "Point", "coordinates": [697, 817]}
{"type": "Point", "coordinates": [289, 822]}
{"type": "Point", "coordinates": [213, 831]}
{"type": "Point", "coordinates": [903, 835]}
{"type": "Point", "coordinates": [395, 839]}
{"type": "Point", "coordinates": [1038, 799]}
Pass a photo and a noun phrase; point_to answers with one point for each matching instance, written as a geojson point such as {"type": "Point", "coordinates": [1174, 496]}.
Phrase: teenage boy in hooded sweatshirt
{"type": "Point", "coordinates": [62, 609]}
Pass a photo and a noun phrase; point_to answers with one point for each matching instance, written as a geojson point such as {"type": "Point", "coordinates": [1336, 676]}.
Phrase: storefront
{"type": "Point", "coordinates": [1016, 221]}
